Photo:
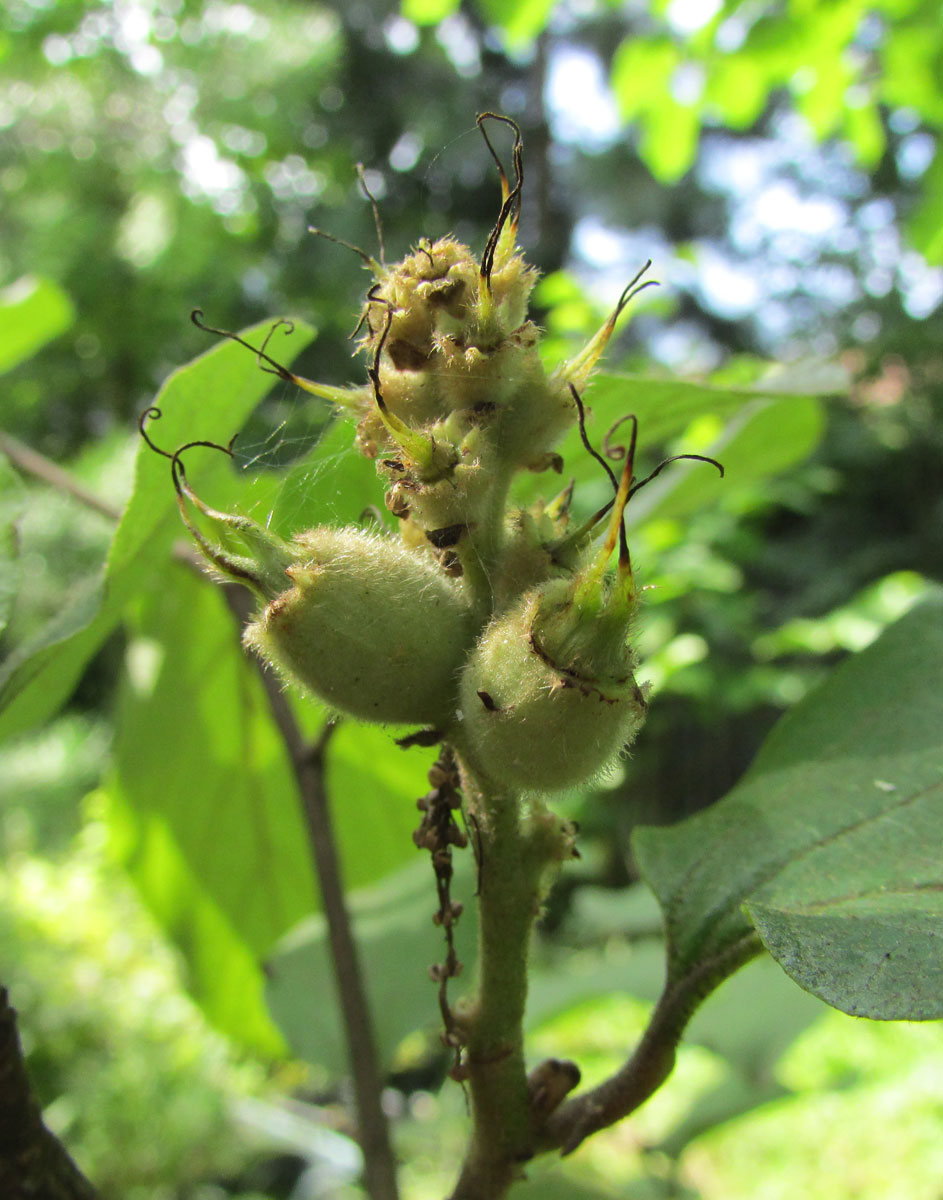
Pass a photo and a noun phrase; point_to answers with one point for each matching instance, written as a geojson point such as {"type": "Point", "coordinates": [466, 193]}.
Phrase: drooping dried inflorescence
{"type": "Point", "coordinates": [503, 629]}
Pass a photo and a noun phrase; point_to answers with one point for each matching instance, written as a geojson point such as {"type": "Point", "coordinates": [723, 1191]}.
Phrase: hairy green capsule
{"type": "Point", "coordinates": [369, 627]}
{"type": "Point", "coordinates": [549, 697]}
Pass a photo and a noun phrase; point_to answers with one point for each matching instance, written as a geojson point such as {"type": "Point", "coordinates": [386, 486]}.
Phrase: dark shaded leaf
{"type": "Point", "coordinates": [841, 815]}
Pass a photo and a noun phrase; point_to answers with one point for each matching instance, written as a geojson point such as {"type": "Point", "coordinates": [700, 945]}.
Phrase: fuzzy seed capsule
{"type": "Point", "coordinates": [549, 697]}
{"type": "Point", "coordinates": [372, 629]}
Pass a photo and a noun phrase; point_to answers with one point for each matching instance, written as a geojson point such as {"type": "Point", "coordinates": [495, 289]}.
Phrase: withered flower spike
{"type": "Point", "coordinates": [631, 290]}
{"type": "Point", "coordinates": [362, 177]}
{"type": "Point", "coordinates": [479, 121]}
{"type": "Point", "coordinates": [368, 259]}
{"type": "Point", "coordinates": [372, 298]}
{"type": "Point", "coordinates": [585, 440]}
{"type": "Point", "coordinates": [274, 368]}
{"type": "Point", "coordinates": [155, 414]}
{"type": "Point", "coordinates": [374, 371]}
{"type": "Point", "coordinates": [618, 453]}
{"type": "Point", "coordinates": [176, 462]}
{"type": "Point", "coordinates": [675, 458]}
{"type": "Point", "coordinates": [289, 329]}
{"type": "Point", "coordinates": [625, 559]}
{"type": "Point", "coordinates": [179, 472]}
{"type": "Point", "coordinates": [511, 206]}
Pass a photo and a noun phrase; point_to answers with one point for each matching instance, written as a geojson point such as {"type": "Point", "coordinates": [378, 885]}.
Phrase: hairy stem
{"type": "Point", "coordinates": [308, 763]}
{"type": "Point", "coordinates": [654, 1057]}
{"type": "Point", "coordinates": [514, 852]}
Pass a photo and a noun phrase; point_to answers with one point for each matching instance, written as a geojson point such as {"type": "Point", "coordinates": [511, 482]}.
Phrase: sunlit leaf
{"type": "Point", "coordinates": [926, 228]}
{"type": "Point", "coordinates": [333, 484]}
{"type": "Point", "coordinates": [757, 444]}
{"type": "Point", "coordinates": [910, 58]}
{"type": "Point", "coordinates": [758, 437]}
{"type": "Point", "coordinates": [12, 502]}
{"type": "Point", "coordinates": [32, 313]}
{"type": "Point", "coordinates": [428, 12]}
{"type": "Point", "coordinates": [521, 20]}
{"type": "Point", "coordinates": [863, 128]}
{"type": "Point", "coordinates": [669, 138]}
{"type": "Point", "coordinates": [640, 74]}
{"type": "Point", "coordinates": [737, 87]}
{"type": "Point", "coordinates": [202, 782]}
{"type": "Point", "coordinates": [207, 399]}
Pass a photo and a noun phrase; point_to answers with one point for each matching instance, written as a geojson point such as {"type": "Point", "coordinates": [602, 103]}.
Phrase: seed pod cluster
{"type": "Point", "coordinates": [503, 629]}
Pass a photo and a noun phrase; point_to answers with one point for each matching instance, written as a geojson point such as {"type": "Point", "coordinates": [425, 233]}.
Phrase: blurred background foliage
{"type": "Point", "coordinates": [782, 164]}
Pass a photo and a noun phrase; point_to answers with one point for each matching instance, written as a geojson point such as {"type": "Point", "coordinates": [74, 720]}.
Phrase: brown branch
{"type": "Point", "coordinates": [34, 1164]}
{"type": "Point", "coordinates": [308, 763]}
{"type": "Point", "coordinates": [31, 462]}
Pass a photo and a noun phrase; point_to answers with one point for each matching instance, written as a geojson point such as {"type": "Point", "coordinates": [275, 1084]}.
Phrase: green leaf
{"type": "Point", "coordinates": [332, 485]}
{"type": "Point", "coordinates": [32, 313]}
{"type": "Point", "coordinates": [428, 12]}
{"type": "Point", "coordinates": [757, 444]}
{"type": "Point", "coordinates": [397, 942]}
{"type": "Point", "coordinates": [823, 102]}
{"type": "Point", "coordinates": [205, 807]}
{"type": "Point", "coordinates": [925, 226]}
{"type": "Point", "coordinates": [665, 407]}
{"type": "Point", "coordinates": [37, 678]}
{"type": "Point", "coordinates": [12, 504]}
{"type": "Point", "coordinates": [875, 955]}
{"type": "Point", "coordinates": [737, 87]}
{"type": "Point", "coordinates": [208, 399]}
{"type": "Point", "coordinates": [911, 64]}
{"type": "Point", "coordinates": [641, 73]}
{"type": "Point", "coordinates": [222, 972]}
{"type": "Point", "coordinates": [520, 20]}
{"type": "Point", "coordinates": [753, 1018]}
{"type": "Point", "coordinates": [197, 751]}
{"type": "Point", "coordinates": [862, 126]}
{"type": "Point", "coordinates": [669, 141]}
{"type": "Point", "coordinates": [546, 1181]}
{"type": "Point", "coordinates": [561, 982]}
{"type": "Point", "coordinates": [373, 786]}
{"type": "Point", "coordinates": [836, 825]}
{"type": "Point", "coordinates": [210, 820]}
